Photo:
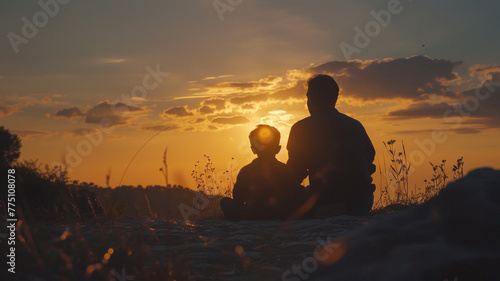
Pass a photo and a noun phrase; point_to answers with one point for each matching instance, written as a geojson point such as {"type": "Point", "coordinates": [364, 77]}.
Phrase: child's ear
{"type": "Point", "coordinates": [253, 149]}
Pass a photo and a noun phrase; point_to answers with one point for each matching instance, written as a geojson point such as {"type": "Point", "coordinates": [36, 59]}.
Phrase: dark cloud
{"type": "Point", "coordinates": [206, 109]}
{"type": "Point", "coordinates": [178, 111]}
{"type": "Point", "coordinates": [69, 113]}
{"type": "Point", "coordinates": [103, 113]}
{"type": "Point", "coordinates": [421, 110]}
{"type": "Point", "coordinates": [249, 99]}
{"type": "Point", "coordinates": [297, 92]}
{"type": "Point", "coordinates": [81, 132]}
{"type": "Point", "coordinates": [217, 103]}
{"type": "Point", "coordinates": [111, 114]}
{"type": "Point", "coordinates": [241, 85]}
{"type": "Point", "coordinates": [199, 120]}
{"type": "Point", "coordinates": [33, 133]}
{"type": "Point", "coordinates": [466, 131]}
{"type": "Point", "coordinates": [486, 70]}
{"type": "Point", "coordinates": [247, 106]}
{"type": "Point", "coordinates": [461, 131]}
{"type": "Point", "coordinates": [478, 106]}
{"type": "Point", "coordinates": [234, 120]}
{"type": "Point", "coordinates": [6, 110]}
{"type": "Point", "coordinates": [414, 78]}
{"type": "Point", "coordinates": [169, 127]}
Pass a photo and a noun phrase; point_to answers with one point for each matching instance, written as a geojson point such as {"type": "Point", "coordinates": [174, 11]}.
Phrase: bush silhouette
{"type": "Point", "coordinates": [10, 148]}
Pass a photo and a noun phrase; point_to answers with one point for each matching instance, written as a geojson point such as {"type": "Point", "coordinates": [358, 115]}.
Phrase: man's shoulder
{"type": "Point", "coordinates": [333, 117]}
{"type": "Point", "coordinates": [303, 122]}
{"type": "Point", "coordinates": [349, 119]}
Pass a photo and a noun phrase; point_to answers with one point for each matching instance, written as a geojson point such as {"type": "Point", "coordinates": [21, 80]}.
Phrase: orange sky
{"type": "Point", "coordinates": [206, 81]}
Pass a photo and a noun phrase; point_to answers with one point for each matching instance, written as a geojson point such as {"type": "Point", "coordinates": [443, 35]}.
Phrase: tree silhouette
{"type": "Point", "coordinates": [10, 147]}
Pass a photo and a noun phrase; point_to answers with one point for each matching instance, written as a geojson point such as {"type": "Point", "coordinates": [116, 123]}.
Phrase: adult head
{"type": "Point", "coordinates": [265, 141]}
{"type": "Point", "coordinates": [322, 93]}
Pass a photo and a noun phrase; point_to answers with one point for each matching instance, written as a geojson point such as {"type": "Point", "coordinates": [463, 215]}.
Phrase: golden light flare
{"type": "Point", "coordinates": [91, 268]}
{"type": "Point", "coordinates": [239, 250]}
{"type": "Point", "coordinates": [265, 135]}
{"type": "Point", "coordinates": [65, 234]}
{"type": "Point", "coordinates": [332, 253]}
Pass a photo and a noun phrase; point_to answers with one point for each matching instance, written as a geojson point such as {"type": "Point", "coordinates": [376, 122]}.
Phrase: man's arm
{"type": "Point", "coordinates": [371, 155]}
{"type": "Point", "coordinates": [297, 164]}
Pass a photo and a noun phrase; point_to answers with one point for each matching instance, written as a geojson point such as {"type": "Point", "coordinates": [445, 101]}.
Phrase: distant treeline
{"type": "Point", "coordinates": [44, 194]}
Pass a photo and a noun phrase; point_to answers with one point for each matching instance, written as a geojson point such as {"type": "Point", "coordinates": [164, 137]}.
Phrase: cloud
{"type": "Point", "coordinates": [240, 85]}
{"type": "Point", "coordinates": [461, 131]}
{"type": "Point", "coordinates": [178, 111]}
{"type": "Point", "coordinates": [248, 106]}
{"type": "Point", "coordinates": [423, 82]}
{"type": "Point", "coordinates": [46, 100]}
{"type": "Point", "coordinates": [158, 128]}
{"type": "Point", "coordinates": [110, 60]}
{"type": "Point", "coordinates": [215, 77]}
{"type": "Point", "coordinates": [217, 103]}
{"type": "Point", "coordinates": [80, 132]}
{"type": "Point", "coordinates": [6, 110]}
{"type": "Point", "coordinates": [414, 78]}
{"type": "Point", "coordinates": [249, 99]}
{"type": "Point", "coordinates": [297, 91]}
{"type": "Point", "coordinates": [69, 113]}
{"type": "Point", "coordinates": [27, 134]}
{"type": "Point", "coordinates": [206, 110]}
{"type": "Point", "coordinates": [111, 114]}
{"type": "Point", "coordinates": [487, 72]}
{"type": "Point", "coordinates": [421, 110]}
{"type": "Point", "coordinates": [233, 120]}
{"type": "Point", "coordinates": [477, 106]}
{"type": "Point", "coordinates": [104, 113]}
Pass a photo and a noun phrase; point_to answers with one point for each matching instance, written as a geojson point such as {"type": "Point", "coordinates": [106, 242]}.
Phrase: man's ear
{"type": "Point", "coordinates": [253, 149]}
{"type": "Point", "coordinates": [278, 149]}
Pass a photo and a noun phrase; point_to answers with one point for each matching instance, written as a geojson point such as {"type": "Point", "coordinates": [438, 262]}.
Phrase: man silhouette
{"type": "Point", "coordinates": [334, 150]}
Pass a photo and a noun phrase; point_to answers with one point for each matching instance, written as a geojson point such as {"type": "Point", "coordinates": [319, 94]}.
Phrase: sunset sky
{"type": "Point", "coordinates": [90, 82]}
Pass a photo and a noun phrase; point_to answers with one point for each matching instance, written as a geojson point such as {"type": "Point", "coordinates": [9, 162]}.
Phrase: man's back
{"type": "Point", "coordinates": [336, 153]}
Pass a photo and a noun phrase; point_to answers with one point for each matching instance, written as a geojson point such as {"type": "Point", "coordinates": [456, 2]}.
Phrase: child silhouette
{"type": "Point", "coordinates": [264, 189]}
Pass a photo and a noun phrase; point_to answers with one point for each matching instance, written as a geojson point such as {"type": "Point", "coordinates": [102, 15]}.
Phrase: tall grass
{"type": "Point", "coordinates": [164, 169]}
{"type": "Point", "coordinates": [395, 179]}
{"type": "Point", "coordinates": [214, 185]}
{"type": "Point", "coordinates": [209, 181]}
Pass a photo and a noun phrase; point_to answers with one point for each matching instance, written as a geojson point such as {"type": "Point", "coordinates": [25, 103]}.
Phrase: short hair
{"type": "Point", "coordinates": [264, 137]}
{"type": "Point", "coordinates": [323, 87]}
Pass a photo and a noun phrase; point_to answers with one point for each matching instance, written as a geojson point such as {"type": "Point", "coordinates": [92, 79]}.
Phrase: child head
{"type": "Point", "coordinates": [265, 141]}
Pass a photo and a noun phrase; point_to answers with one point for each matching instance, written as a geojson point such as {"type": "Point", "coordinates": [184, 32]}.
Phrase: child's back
{"type": "Point", "coordinates": [264, 189]}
